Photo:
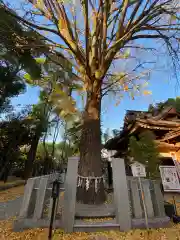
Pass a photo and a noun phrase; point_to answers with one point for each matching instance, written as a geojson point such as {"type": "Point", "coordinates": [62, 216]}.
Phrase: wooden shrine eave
{"type": "Point", "coordinates": [140, 124]}
{"type": "Point", "coordinates": [154, 125]}
{"type": "Point", "coordinates": [164, 126]}
{"type": "Point", "coordinates": [147, 126]}
{"type": "Point", "coordinates": [171, 135]}
{"type": "Point", "coordinates": [159, 123]}
{"type": "Point", "coordinates": [165, 144]}
{"type": "Point", "coordinates": [161, 146]}
{"type": "Point", "coordinates": [165, 112]}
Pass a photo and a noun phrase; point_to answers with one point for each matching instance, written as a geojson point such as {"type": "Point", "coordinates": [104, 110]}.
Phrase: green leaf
{"type": "Point", "coordinates": [27, 76]}
{"type": "Point", "coordinates": [28, 79]}
{"type": "Point", "coordinates": [173, 18]}
{"type": "Point", "coordinates": [126, 53]}
{"type": "Point", "coordinates": [40, 60]}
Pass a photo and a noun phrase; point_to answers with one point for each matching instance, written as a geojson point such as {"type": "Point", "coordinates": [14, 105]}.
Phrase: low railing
{"type": "Point", "coordinates": [128, 205]}
{"type": "Point", "coordinates": [37, 195]}
{"type": "Point", "coordinates": [153, 198]}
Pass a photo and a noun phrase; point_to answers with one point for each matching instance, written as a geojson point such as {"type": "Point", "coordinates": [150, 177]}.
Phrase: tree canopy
{"type": "Point", "coordinates": [10, 85]}
{"type": "Point", "coordinates": [144, 150]}
{"type": "Point", "coordinates": [171, 102]}
{"type": "Point", "coordinates": [13, 39]}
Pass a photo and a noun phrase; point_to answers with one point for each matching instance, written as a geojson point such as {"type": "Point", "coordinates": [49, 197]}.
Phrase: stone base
{"type": "Point", "coordinates": [95, 211]}
{"type": "Point", "coordinates": [22, 224]}
{"type": "Point", "coordinates": [153, 223]}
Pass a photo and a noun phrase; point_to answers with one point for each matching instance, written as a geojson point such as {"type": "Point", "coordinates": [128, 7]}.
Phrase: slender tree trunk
{"type": "Point", "coordinates": [90, 155]}
{"type": "Point", "coordinates": [47, 165]}
{"type": "Point", "coordinates": [31, 157]}
{"type": "Point", "coordinates": [109, 174]}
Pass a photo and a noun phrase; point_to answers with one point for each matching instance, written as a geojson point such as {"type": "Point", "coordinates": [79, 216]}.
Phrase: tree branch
{"type": "Point", "coordinates": [149, 36]}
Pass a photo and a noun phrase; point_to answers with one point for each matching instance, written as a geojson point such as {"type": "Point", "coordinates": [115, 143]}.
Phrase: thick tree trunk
{"type": "Point", "coordinates": [89, 189]}
{"type": "Point", "coordinates": [30, 158]}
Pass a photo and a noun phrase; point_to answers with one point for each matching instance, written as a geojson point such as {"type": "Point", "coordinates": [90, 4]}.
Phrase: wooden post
{"type": "Point", "coordinates": [70, 194]}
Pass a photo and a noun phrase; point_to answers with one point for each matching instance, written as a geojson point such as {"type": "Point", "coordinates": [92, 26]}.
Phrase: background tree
{"type": "Point", "coordinates": [40, 122]}
{"type": "Point", "coordinates": [14, 133]}
{"type": "Point", "coordinates": [44, 161]}
{"type": "Point", "coordinates": [171, 102]}
{"type": "Point", "coordinates": [20, 45]}
{"type": "Point", "coordinates": [144, 150]}
{"type": "Point", "coordinates": [91, 43]}
{"type": "Point", "coordinates": [73, 136]}
{"type": "Point", "coordinates": [10, 85]}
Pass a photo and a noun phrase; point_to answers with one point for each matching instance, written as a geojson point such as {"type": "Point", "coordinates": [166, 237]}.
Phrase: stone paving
{"type": "Point", "coordinates": [11, 208]}
{"type": "Point", "coordinates": [103, 210]}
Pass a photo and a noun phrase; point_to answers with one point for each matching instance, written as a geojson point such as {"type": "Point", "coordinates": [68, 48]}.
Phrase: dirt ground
{"type": "Point", "coordinates": [11, 193]}
{"type": "Point", "coordinates": [6, 233]}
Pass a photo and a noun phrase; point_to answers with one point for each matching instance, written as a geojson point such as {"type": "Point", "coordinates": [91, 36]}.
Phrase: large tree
{"type": "Point", "coordinates": [10, 85]}
{"type": "Point", "coordinates": [91, 35]}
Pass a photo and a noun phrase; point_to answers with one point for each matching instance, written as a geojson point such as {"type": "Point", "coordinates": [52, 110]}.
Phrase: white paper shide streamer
{"type": "Point", "coordinates": [88, 180]}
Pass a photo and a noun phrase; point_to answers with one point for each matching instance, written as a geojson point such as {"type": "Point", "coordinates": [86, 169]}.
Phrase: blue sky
{"type": "Point", "coordinates": [112, 117]}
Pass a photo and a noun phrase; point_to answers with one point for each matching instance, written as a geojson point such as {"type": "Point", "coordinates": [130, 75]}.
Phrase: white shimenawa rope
{"type": "Point", "coordinates": [88, 180]}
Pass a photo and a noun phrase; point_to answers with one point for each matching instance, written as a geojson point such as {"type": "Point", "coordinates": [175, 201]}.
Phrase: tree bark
{"type": "Point", "coordinates": [47, 165]}
{"type": "Point", "coordinates": [90, 164]}
{"type": "Point", "coordinates": [109, 174]}
{"type": "Point", "coordinates": [31, 157]}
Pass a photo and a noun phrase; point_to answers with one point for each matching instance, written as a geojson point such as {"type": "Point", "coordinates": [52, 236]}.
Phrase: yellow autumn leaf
{"type": "Point", "coordinates": [126, 53]}
{"type": "Point", "coordinates": [85, 87]}
{"type": "Point", "coordinates": [145, 92]}
{"type": "Point", "coordinates": [48, 16]}
{"type": "Point", "coordinates": [39, 4]}
{"type": "Point", "coordinates": [81, 69]}
{"type": "Point", "coordinates": [62, 113]}
{"type": "Point", "coordinates": [173, 18]}
{"type": "Point", "coordinates": [126, 88]}
{"type": "Point", "coordinates": [117, 103]}
{"type": "Point", "coordinates": [29, 117]}
{"type": "Point", "coordinates": [98, 74]}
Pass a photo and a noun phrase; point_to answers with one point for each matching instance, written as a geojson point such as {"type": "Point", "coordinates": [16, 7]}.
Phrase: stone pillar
{"type": "Point", "coordinates": [147, 198]}
{"type": "Point", "coordinates": [27, 197]}
{"type": "Point", "coordinates": [121, 198]}
{"type": "Point", "coordinates": [40, 198]}
{"type": "Point", "coordinates": [70, 194]}
{"type": "Point", "coordinates": [158, 200]}
{"type": "Point", "coordinates": [136, 199]}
